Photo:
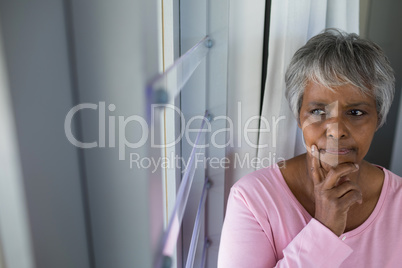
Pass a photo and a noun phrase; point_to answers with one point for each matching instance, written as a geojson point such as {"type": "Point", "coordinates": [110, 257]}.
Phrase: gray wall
{"type": "Point", "coordinates": [384, 27]}
{"type": "Point", "coordinates": [86, 208]}
{"type": "Point", "coordinates": [37, 60]}
{"type": "Point", "coordinates": [115, 44]}
{"type": "Point", "coordinates": [397, 152]}
{"type": "Point", "coordinates": [14, 229]}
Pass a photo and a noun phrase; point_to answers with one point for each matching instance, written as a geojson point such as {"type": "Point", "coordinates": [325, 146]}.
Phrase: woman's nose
{"type": "Point", "coordinates": [337, 130]}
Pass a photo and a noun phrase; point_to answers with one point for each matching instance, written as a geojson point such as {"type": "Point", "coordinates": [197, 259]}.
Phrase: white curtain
{"type": "Point", "coordinates": [292, 23]}
{"type": "Point", "coordinates": [246, 34]}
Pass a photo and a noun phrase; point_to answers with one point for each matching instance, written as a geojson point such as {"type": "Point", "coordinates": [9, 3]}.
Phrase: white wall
{"type": "Point", "coordinates": [246, 33]}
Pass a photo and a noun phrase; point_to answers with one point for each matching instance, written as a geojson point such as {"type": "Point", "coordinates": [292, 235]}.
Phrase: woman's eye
{"type": "Point", "coordinates": [318, 112]}
{"type": "Point", "coordinates": [356, 112]}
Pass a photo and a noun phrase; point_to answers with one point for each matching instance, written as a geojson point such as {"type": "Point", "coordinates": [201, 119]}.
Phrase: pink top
{"type": "Point", "coordinates": [266, 226]}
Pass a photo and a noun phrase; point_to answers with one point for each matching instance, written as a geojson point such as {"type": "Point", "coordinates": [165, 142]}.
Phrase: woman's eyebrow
{"type": "Point", "coordinates": [317, 103]}
{"type": "Point", "coordinates": [363, 103]}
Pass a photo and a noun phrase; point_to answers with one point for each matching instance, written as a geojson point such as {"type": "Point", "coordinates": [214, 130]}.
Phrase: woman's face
{"type": "Point", "coordinates": [341, 123]}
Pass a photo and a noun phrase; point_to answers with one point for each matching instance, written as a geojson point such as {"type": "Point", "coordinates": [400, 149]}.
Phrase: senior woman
{"type": "Point", "coordinates": [328, 207]}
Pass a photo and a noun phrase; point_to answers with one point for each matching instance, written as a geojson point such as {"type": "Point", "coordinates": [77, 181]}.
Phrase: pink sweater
{"type": "Point", "coordinates": [265, 226]}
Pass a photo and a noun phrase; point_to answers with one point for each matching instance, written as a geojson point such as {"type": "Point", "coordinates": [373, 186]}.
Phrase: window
{"type": "Point", "coordinates": [191, 121]}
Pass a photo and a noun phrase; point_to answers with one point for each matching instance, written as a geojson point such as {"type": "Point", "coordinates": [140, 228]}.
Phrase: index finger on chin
{"type": "Point", "coordinates": [316, 166]}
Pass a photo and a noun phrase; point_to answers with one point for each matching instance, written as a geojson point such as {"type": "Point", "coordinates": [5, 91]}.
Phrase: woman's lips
{"type": "Point", "coordinates": [338, 151]}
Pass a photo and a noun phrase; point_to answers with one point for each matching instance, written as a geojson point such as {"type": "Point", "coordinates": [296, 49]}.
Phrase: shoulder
{"type": "Point", "coordinates": [390, 201]}
{"type": "Point", "coordinates": [259, 180]}
{"type": "Point", "coordinates": [260, 190]}
{"type": "Point", "coordinates": [391, 188]}
{"type": "Point", "coordinates": [395, 181]}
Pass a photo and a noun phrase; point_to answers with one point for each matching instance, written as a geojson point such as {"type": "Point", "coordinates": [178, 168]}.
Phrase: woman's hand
{"type": "Point", "coordinates": [333, 199]}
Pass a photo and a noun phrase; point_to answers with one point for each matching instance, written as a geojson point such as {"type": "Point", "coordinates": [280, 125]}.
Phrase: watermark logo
{"type": "Point", "coordinates": [147, 130]}
{"type": "Point", "coordinates": [202, 161]}
{"type": "Point", "coordinates": [112, 130]}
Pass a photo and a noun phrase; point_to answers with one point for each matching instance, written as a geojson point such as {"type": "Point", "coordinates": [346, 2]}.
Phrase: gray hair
{"type": "Point", "coordinates": [334, 58]}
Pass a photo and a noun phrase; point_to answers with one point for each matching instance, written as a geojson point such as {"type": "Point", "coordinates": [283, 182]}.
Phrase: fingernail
{"type": "Point", "coordinates": [357, 166]}
{"type": "Point", "coordinates": [313, 149]}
